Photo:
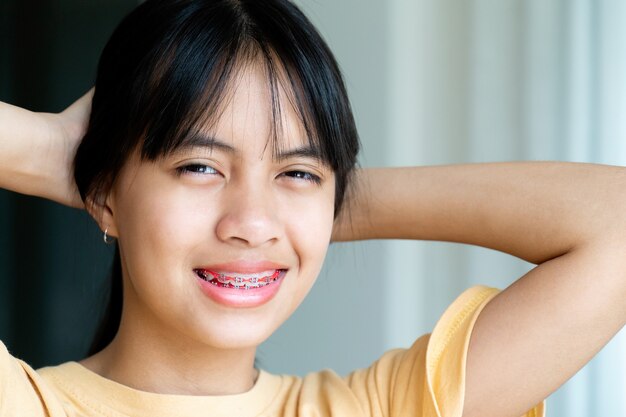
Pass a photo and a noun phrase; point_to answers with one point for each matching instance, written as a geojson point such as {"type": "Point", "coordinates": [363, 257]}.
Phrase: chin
{"type": "Point", "coordinates": [236, 333]}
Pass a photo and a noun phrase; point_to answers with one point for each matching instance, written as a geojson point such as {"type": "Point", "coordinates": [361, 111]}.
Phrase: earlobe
{"type": "Point", "coordinates": [101, 210]}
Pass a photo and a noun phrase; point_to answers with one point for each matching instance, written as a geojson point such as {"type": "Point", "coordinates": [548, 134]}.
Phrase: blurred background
{"type": "Point", "coordinates": [431, 82]}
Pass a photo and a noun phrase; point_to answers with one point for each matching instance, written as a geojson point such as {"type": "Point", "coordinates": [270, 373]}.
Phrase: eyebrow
{"type": "Point", "coordinates": [202, 140]}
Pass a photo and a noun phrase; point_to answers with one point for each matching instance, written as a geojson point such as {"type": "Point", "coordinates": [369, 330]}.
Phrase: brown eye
{"type": "Point", "coordinates": [197, 169]}
{"type": "Point", "coordinates": [303, 176]}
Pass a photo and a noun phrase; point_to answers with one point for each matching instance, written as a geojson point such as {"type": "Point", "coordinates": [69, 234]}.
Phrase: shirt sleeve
{"type": "Point", "coordinates": [428, 379]}
{"type": "Point", "coordinates": [22, 391]}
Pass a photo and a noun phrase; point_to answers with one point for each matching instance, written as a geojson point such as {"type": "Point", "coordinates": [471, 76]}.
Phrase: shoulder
{"type": "Point", "coordinates": [425, 379]}
{"type": "Point", "coordinates": [23, 390]}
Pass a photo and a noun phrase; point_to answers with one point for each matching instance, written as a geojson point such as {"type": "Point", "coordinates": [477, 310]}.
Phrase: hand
{"type": "Point", "coordinates": [37, 150]}
{"type": "Point", "coordinates": [349, 223]}
{"type": "Point", "coordinates": [66, 131]}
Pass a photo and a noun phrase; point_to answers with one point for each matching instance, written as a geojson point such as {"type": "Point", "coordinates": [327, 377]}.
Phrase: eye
{"type": "Point", "coordinates": [196, 169]}
{"type": "Point", "coordinates": [303, 176]}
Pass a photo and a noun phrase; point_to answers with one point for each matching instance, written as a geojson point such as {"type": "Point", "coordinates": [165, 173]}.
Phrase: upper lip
{"type": "Point", "coordinates": [244, 266]}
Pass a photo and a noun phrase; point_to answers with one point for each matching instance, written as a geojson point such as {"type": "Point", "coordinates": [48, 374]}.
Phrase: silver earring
{"type": "Point", "coordinates": [105, 237]}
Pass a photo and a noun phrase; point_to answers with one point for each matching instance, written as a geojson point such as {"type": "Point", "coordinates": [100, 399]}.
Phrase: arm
{"type": "Point", "coordinates": [37, 150]}
{"type": "Point", "coordinates": [36, 154]}
{"type": "Point", "coordinates": [568, 218]}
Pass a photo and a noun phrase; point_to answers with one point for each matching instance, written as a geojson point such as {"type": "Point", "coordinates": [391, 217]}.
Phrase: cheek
{"type": "Point", "coordinates": [309, 227]}
{"type": "Point", "coordinates": [161, 212]}
{"type": "Point", "coordinates": [158, 232]}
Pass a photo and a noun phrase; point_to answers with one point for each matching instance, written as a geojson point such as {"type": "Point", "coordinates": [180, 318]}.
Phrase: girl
{"type": "Point", "coordinates": [217, 151]}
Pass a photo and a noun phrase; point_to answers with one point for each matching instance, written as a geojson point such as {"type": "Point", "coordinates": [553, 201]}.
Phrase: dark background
{"type": "Point", "coordinates": [53, 262]}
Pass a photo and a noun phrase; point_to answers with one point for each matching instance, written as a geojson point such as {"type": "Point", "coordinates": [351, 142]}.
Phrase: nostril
{"type": "Point", "coordinates": [248, 229]}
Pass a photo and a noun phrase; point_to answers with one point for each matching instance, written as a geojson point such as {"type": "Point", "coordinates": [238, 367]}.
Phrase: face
{"type": "Point", "coordinates": [198, 226]}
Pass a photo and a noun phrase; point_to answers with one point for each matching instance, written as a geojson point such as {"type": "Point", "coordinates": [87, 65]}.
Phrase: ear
{"type": "Point", "coordinates": [101, 208]}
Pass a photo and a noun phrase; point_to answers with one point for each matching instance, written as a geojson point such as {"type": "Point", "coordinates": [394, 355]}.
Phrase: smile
{"type": "Point", "coordinates": [239, 281]}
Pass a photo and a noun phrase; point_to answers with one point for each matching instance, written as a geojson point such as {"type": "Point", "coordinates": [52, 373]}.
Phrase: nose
{"type": "Point", "coordinates": [250, 218]}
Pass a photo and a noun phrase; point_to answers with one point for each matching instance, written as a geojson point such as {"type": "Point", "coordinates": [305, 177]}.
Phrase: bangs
{"type": "Point", "coordinates": [199, 109]}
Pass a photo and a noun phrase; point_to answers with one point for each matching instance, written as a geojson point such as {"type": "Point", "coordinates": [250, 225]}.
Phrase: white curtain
{"type": "Point", "coordinates": [508, 80]}
{"type": "Point", "coordinates": [448, 81]}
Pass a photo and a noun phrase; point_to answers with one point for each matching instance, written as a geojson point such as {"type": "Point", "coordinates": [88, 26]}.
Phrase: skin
{"type": "Point", "coordinates": [567, 218]}
{"type": "Point", "coordinates": [212, 205]}
{"type": "Point", "coordinates": [54, 138]}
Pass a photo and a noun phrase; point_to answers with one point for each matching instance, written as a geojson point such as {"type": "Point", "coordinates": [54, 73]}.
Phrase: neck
{"type": "Point", "coordinates": [143, 358]}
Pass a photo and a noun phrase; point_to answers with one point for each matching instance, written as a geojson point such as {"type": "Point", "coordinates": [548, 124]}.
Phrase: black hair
{"type": "Point", "coordinates": [166, 72]}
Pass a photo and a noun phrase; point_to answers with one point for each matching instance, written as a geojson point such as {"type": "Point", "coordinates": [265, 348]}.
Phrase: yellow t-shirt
{"type": "Point", "coordinates": [426, 380]}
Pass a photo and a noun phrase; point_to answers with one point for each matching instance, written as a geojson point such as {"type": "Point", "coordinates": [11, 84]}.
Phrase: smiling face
{"type": "Point", "coordinates": [229, 209]}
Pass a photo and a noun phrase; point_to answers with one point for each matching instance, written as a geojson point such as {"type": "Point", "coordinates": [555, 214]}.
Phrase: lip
{"type": "Point", "coordinates": [241, 298]}
{"type": "Point", "coordinates": [243, 267]}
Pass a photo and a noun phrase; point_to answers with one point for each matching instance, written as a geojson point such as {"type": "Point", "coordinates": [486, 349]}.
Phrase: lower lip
{"type": "Point", "coordinates": [241, 298]}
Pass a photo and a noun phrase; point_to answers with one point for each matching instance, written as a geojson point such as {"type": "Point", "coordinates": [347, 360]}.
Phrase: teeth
{"type": "Point", "coordinates": [239, 281]}
{"type": "Point", "coordinates": [248, 276]}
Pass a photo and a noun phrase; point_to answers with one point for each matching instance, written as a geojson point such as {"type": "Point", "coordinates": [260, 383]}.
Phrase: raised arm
{"type": "Point", "coordinates": [569, 218]}
{"type": "Point", "coordinates": [37, 149]}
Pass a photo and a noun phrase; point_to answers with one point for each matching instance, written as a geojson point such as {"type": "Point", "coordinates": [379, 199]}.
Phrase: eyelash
{"type": "Point", "coordinates": [196, 169]}
{"type": "Point", "coordinates": [201, 169]}
{"type": "Point", "coordinates": [304, 175]}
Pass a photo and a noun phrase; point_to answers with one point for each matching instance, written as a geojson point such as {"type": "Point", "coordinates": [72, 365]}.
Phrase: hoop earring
{"type": "Point", "coordinates": [105, 237]}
